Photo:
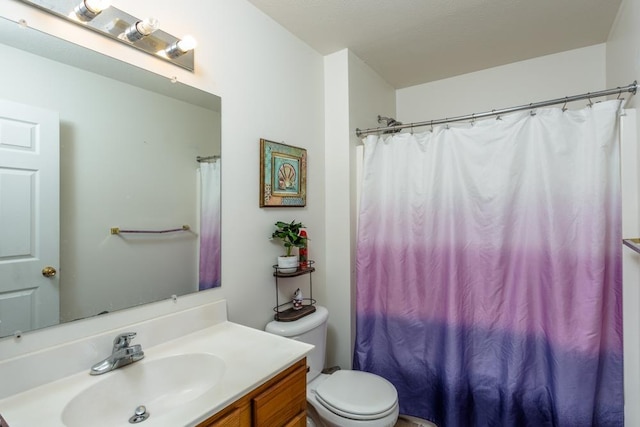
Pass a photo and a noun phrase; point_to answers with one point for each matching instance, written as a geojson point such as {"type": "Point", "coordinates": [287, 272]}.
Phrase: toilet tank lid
{"type": "Point", "coordinates": [300, 326]}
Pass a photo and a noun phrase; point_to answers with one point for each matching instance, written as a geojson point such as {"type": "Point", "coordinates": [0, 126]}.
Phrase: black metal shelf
{"type": "Point", "coordinates": [285, 312]}
{"type": "Point", "coordinates": [298, 272]}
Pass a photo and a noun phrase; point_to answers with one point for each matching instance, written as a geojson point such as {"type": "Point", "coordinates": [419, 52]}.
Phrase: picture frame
{"type": "Point", "coordinates": [283, 175]}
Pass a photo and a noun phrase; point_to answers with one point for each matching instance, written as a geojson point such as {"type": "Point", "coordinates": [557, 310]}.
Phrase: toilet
{"type": "Point", "coordinates": [345, 398]}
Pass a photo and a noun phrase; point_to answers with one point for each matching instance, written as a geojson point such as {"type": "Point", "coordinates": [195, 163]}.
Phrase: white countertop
{"type": "Point", "coordinates": [251, 358]}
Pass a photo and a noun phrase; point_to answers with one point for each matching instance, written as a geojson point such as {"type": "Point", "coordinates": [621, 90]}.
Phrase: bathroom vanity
{"type": "Point", "coordinates": [282, 401]}
{"type": "Point", "coordinates": [199, 370]}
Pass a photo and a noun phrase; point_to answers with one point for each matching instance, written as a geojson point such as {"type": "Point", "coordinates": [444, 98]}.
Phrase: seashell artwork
{"type": "Point", "coordinates": [286, 176]}
{"type": "Point", "coordinates": [283, 175]}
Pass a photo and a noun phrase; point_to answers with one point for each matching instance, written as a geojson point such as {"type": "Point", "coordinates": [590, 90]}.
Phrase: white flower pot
{"type": "Point", "coordinates": [287, 264]}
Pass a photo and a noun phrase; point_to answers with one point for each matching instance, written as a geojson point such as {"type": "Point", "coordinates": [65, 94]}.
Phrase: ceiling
{"type": "Point", "coordinates": [410, 42]}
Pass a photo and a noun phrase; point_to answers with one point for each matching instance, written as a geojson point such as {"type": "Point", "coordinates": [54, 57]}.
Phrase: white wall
{"type": "Point", "coordinates": [623, 66]}
{"type": "Point", "coordinates": [623, 48]}
{"type": "Point", "coordinates": [271, 86]}
{"type": "Point", "coordinates": [337, 159]}
{"type": "Point", "coordinates": [546, 77]}
{"type": "Point", "coordinates": [354, 96]}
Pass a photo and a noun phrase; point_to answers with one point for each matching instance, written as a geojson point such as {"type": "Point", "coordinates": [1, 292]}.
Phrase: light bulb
{"type": "Point", "coordinates": [187, 43]}
{"type": "Point", "coordinates": [147, 26]}
{"type": "Point", "coordinates": [179, 47]}
{"type": "Point", "coordinates": [89, 9]}
{"type": "Point", "coordinates": [97, 6]}
{"type": "Point", "coordinates": [140, 29]}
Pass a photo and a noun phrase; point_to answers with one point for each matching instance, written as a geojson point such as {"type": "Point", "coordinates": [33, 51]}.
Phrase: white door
{"type": "Point", "coordinates": [29, 217]}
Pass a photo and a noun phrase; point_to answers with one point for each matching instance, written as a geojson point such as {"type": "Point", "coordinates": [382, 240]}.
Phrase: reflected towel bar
{"type": "Point", "coordinates": [117, 230]}
{"type": "Point", "coordinates": [201, 159]}
{"type": "Point", "coordinates": [632, 243]}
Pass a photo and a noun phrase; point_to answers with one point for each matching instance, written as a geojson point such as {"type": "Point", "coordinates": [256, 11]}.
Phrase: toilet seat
{"type": "Point", "coordinates": [357, 395]}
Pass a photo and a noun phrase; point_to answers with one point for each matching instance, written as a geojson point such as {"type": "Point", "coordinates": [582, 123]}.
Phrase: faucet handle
{"type": "Point", "coordinates": [123, 340]}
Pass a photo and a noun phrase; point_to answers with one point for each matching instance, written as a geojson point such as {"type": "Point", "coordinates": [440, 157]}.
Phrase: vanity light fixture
{"type": "Point", "coordinates": [89, 9]}
{"type": "Point", "coordinates": [180, 47]}
{"type": "Point", "coordinates": [111, 22]}
{"type": "Point", "coordinates": [140, 29]}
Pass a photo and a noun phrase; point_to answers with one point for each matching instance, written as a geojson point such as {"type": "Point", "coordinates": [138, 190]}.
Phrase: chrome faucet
{"type": "Point", "coordinates": [123, 354]}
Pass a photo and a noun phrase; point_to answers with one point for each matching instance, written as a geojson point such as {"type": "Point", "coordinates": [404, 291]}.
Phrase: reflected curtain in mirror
{"type": "Point", "coordinates": [209, 224]}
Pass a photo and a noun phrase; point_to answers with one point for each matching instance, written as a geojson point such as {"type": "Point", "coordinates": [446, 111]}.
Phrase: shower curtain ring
{"type": "Point", "coordinates": [590, 104]}
{"type": "Point", "coordinates": [497, 115]}
{"type": "Point", "coordinates": [473, 119]}
{"type": "Point", "coordinates": [564, 107]}
{"type": "Point", "coordinates": [619, 92]}
{"type": "Point", "coordinates": [431, 126]}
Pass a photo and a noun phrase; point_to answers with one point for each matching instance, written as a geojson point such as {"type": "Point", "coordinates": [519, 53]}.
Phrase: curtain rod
{"type": "Point", "coordinates": [632, 88]}
{"type": "Point", "coordinates": [200, 159]}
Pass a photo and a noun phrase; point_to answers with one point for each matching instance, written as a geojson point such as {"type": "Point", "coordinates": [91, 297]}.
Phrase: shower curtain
{"type": "Point", "coordinates": [489, 270]}
{"type": "Point", "coordinates": [209, 225]}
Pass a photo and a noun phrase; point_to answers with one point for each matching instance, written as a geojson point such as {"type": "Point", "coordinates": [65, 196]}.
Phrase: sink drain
{"type": "Point", "coordinates": [140, 415]}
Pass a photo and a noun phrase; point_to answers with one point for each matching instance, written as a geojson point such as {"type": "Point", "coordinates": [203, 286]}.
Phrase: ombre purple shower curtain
{"type": "Point", "coordinates": [489, 270]}
{"type": "Point", "coordinates": [209, 225]}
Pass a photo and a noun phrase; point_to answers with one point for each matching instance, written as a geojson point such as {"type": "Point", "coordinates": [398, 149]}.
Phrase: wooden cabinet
{"type": "Point", "coordinates": [282, 401]}
{"type": "Point", "coordinates": [229, 419]}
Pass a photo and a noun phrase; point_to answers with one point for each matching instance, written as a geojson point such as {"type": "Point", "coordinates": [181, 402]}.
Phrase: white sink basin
{"type": "Point", "coordinates": [160, 385]}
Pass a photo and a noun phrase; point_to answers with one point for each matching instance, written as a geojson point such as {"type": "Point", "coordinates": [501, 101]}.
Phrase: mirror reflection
{"type": "Point", "coordinates": [129, 143]}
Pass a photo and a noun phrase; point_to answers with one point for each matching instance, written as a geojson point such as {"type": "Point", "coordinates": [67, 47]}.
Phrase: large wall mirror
{"type": "Point", "coordinates": [127, 157]}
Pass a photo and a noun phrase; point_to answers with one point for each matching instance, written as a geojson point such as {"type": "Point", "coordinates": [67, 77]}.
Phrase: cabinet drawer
{"type": "Point", "coordinates": [283, 402]}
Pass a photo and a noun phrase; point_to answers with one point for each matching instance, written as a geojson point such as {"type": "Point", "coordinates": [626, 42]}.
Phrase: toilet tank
{"type": "Point", "coordinates": [310, 329]}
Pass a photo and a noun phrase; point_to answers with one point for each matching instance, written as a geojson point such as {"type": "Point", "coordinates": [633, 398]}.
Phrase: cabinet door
{"type": "Point", "coordinates": [299, 421]}
{"type": "Point", "coordinates": [283, 402]}
{"type": "Point", "coordinates": [231, 419]}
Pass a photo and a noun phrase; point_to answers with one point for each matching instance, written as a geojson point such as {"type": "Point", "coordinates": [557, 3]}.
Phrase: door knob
{"type": "Point", "coordinates": [49, 271]}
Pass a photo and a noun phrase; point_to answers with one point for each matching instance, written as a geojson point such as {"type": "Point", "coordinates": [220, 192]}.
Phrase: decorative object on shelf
{"type": "Point", "coordinates": [289, 233]}
{"type": "Point", "coordinates": [283, 175]}
{"type": "Point", "coordinates": [288, 263]}
{"type": "Point", "coordinates": [289, 311]}
{"type": "Point", "coordinates": [297, 299]}
{"type": "Point", "coordinates": [111, 22]}
{"type": "Point", "coordinates": [303, 254]}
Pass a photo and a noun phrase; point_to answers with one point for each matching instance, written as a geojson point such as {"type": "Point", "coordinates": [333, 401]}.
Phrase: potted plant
{"type": "Point", "coordinates": [289, 233]}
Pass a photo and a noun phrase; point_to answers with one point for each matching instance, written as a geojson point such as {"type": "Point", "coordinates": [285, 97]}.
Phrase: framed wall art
{"type": "Point", "coordinates": [283, 175]}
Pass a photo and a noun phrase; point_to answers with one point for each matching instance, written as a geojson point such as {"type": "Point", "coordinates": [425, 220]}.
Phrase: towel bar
{"type": "Point", "coordinates": [117, 230]}
{"type": "Point", "coordinates": [632, 243]}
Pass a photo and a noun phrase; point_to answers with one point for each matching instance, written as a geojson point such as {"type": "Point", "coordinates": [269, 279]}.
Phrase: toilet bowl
{"type": "Point", "coordinates": [353, 398]}
{"type": "Point", "coordinates": [345, 398]}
